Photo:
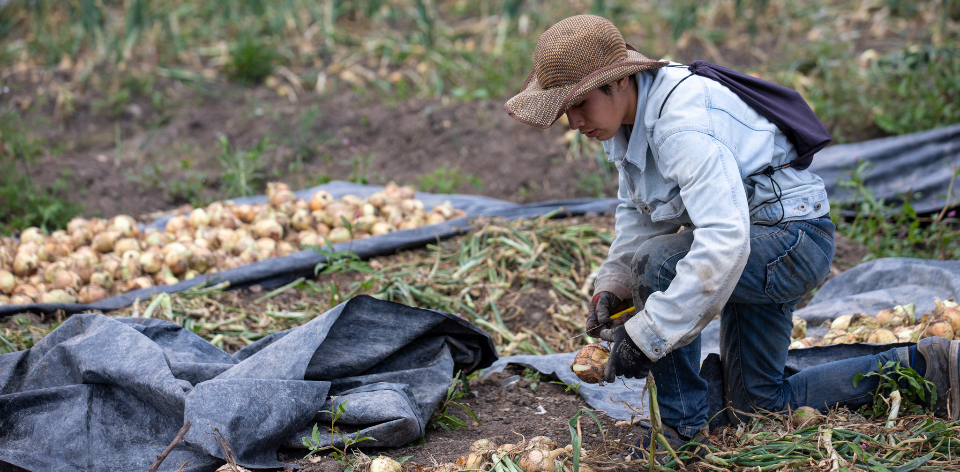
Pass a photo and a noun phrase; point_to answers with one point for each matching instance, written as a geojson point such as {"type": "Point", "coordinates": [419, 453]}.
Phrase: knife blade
{"type": "Point", "coordinates": [613, 317]}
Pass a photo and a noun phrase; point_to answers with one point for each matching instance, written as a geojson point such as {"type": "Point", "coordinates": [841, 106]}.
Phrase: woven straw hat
{"type": "Point", "coordinates": [572, 58]}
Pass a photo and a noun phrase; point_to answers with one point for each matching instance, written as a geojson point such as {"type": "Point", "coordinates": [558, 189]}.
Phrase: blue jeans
{"type": "Point", "coordinates": [786, 261]}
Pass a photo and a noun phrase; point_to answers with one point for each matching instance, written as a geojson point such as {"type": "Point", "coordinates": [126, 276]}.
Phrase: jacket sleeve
{"type": "Point", "coordinates": [633, 228]}
{"type": "Point", "coordinates": [710, 186]}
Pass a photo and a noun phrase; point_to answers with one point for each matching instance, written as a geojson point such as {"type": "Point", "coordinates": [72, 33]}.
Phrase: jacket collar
{"type": "Point", "coordinates": [633, 149]}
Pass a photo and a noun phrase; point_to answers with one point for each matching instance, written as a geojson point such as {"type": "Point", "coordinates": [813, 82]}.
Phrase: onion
{"type": "Point", "coordinates": [590, 362]}
{"type": "Point", "coordinates": [26, 290]}
{"type": "Point", "coordinates": [301, 220]}
{"type": "Point", "coordinates": [483, 446]}
{"type": "Point", "coordinates": [269, 229]}
{"type": "Point", "coordinates": [113, 265]}
{"type": "Point", "coordinates": [199, 218]}
{"type": "Point", "coordinates": [201, 259]}
{"type": "Point", "coordinates": [365, 223]}
{"type": "Point", "coordinates": [131, 268]}
{"type": "Point", "coordinates": [104, 242]}
{"type": "Point", "coordinates": [80, 237]}
{"type": "Point", "coordinates": [82, 268]}
{"type": "Point", "coordinates": [204, 243]}
{"type": "Point", "coordinates": [7, 282]}
{"type": "Point", "coordinates": [381, 227]}
{"type": "Point", "coordinates": [538, 460]}
{"type": "Point", "coordinates": [67, 279]}
{"type": "Point", "coordinates": [444, 209]}
{"type": "Point", "coordinates": [32, 235]}
{"type": "Point", "coordinates": [227, 239]}
{"type": "Point", "coordinates": [473, 461]}
{"type": "Point", "coordinates": [384, 464]}
{"type": "Point", "coordinates": [434, 218]}
{"type": "Point", "coordinates": [20, 300]}
{"type": "Point", "coordinates": [411, 206]}
{"type": "Point", "coordinates": [320, 199]}
{"type": "Point", "coordinates": [102, 278]}
{"type": "Point", "coordinates": [92, 293]}
{"type": "Point", "coordinates": [166, 277]}
{"type": "Point", "coordinates": [891, 318]}
{"type": "Point", "coordinates": [941, 328]}
{"type": "Point", "coordinates": [177, 258]}
{"type": "Point", "coordinates": [351, 200]}
{"type": "Point", "coordinates": [191, 274]}
{"type": "Point", "coordinates": [279, 194]}
{"type": "Point", "coordinates": [506, 449]}
{"type": "Point", "coordinates": [86, 254]}
{"type": "Point", "coordinates": [285, 249]}
{"type": "Point", "coordinates": [410, 222]}
{"type": "Point", "coordinates": [368, 210]}
{"type": "Point", "coordinates": [58, 296]}
{"type": "Point", "coordinates": [151, 262]}
{"type": "Point", "coordinates": [379, 199]}
{"type": "Point", "coordinates": [542, 443]}
{"type": "Point", "coordinates": [842, 322]}
{"type": "Point", "coordinates": [25, 264]}
{"type": "Point", "coordinates": [138, 283]}
{"type": "Point", "coordinates": [806, 416]}
{"type": "Point", "coordinates": [125, 225]}
{"type": "Point", "coordinates": [246, 213]}
{"type": "Point", "coordinates": [126, 244]}
{"type": "Point", "coordinates": [77, 223]}
{"type": "Point", "coordinates": [339, 235]}
{"type": "Point", "coordinates": [176, 224]}
{"type": "Point", "coordinates": [391, 212]}
{"type": "Point", "coordinates": [882, 336]}
{"type": "Point", "coordinates": [945, 311]}
{"type": "Point", "coordinates": [799, 328]}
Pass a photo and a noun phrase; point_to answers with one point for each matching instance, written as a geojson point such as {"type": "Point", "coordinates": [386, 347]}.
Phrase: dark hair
{"type": "Point", "coordinates": [607, 89]}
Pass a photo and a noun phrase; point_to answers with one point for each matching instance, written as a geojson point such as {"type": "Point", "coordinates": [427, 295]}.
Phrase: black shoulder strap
{"type": "Point", "coordinates": [671, 93]}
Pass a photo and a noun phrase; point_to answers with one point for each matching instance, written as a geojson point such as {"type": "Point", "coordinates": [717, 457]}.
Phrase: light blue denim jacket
{"type": "Point", "coordinates": [691, 167]}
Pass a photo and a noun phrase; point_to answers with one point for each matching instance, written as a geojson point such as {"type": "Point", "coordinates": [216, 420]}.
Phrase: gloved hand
{"type": "Point", "coordinates": [626, 358]}
{"type": "Point", "coordinates": [602, 306]}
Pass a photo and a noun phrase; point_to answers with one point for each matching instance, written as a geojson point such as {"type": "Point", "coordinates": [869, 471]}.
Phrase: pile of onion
{"type": "Point", "coordinates": [96, 258]}
{"type": "Point", "coordinates": [537, 454]}
{"type": "Point", "coordinates": [891, 325]}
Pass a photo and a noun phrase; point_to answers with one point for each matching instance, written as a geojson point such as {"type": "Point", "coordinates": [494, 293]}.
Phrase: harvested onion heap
{"type": "Point", "coordinates": [96, 258]}
{"type": "Point", "coordinates": [538, 454]}
{"type": "Point", "coordinates": [892, 325]}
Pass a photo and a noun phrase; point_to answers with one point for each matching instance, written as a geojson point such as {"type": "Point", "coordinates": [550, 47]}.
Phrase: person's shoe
{"type": "Point", "coordinates": [689, 450]}
{"type": "Point", "coordinates": [943, 369]}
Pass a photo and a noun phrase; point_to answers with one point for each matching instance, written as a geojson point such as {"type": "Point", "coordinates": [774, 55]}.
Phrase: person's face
{"type": "Point", "coordinates": [599, 115]}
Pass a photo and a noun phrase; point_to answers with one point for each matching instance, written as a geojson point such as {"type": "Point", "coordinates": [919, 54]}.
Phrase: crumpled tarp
{"type": "Point", "coordinates": [100, 393]}
{"type": "Point", "coordinates": [918, 162]}
{"type": "Point", "coordinates": [867, 288]}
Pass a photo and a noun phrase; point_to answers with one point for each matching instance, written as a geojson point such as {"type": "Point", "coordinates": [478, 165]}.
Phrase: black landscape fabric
{"type": "Point", "coordinates": [100, 393]}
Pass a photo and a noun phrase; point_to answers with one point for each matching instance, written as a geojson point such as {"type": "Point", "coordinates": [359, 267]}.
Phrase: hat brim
{"type": "Point", "coordinates": [540, 107]}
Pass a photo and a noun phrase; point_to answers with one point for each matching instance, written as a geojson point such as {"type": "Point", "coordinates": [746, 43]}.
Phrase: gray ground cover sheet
{"type": "Point", "coordinates": [867, 288]}
{"type": "Point", "coordinates": [102, 394]}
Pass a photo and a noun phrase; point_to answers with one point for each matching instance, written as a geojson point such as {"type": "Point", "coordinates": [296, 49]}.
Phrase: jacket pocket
{"type": "Point", "coordinates": [802, 268]}
{"type": "Point", "coordinates": [669, 210]}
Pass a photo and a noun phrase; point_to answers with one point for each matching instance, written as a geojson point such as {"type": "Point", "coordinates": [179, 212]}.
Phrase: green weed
{"type": "Point", "coordinates": [242, 170]}
{"type": "Point", "coordinates": [889, 230]}
{"type": "Point", "coordinates": [251, 60]}
{"type": "Point", "coordinates": [459, 387]}
{"type": "Point", "coordinates": [893, 377]}
{"type": "Point", "coordinates": [349, 439]}
{"type": "Point", "coordinates": [444, 180]}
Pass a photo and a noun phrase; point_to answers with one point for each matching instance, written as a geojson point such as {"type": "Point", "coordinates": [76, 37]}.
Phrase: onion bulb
{"type": "Point", "coordinates": [113, 265]}
{"type": "Point", "coordinates": [411, 206]}
{"type": "Point", "coordinates": [434, 218]}
{"type": "Point", "coordinates": [381, 227]}
{"type": "Point", "coordinates": [130, 267]}
{"type": "Point", "coordinates": [67, 279]}
{"type": "Point", "coordinates": [26, 290]}
{"type": "Point", "coordinates": [32, 235]}
{"type": "Point", "coordinates": [246, 213]}
{"type": "Point", "coordinates": [199, 218]}
{"type": "Point", "coordinates": [138, 283]}
{"type": "Point", "coordinates": [285, 249]}
{"type": "Point", "coordinates": [102, 278]}
{"type": "Point", "coordinates": [351, 201]}
{"type": "Point", "coordinates": [77, 223]}
{"type": "Point", "coordinates": [80, 237]}
{"type": "Point", "coordinates": [384, 464]}
{"type": "Point", "coordinates": [483, 446]}
{"type": "Point", "coordinates": [92, 293]}
{"type": "Point", "coordinates": [882, 336]}
{"type": "Point", "coordinates": [176, 258]}
{"type": "Point", "coordinates": [20, 300]}
{"type": "Point", "coordinates": [201, 259]}
{"type": "Point", "coordinates": [151, 262]}
{"type": "Point", "coordinates": [842, 322]}
{"type": "Point", "coordinates": [301, 220]}
{"type": "Point", "coordinates": [947, 310]}
{"type": "Point", "coordinates": [176, 224]}
{"type": "Point", "coordinates": [589, 363]}
{"type": "Point", "coordinates": [103, 242]}
{"type": "Point", "coordinates": [891, 318]}
{"type": "Point", "coordinates": [444, 209]}
{"type": "Point", "coordinates": [7, 282]}
{"type": "Point", "coordinates": [339, 235]}
{"type": "Point", "coordinates": [378, 199]}
{"type": "Point", "coordinates": [941, 328]}
{"type": "Point", "coordinates": [57, 296]}
{"type": "Point", "coordinates": [25, 264]}
{"type": "Point", "coordinates": [320, 199]}
{"type": "Point", "coordinates": [799, 328]}
{"type": "Point", "coordinates": [269, 229]}
{"type": "Point", "coordinates": [538, 460]}
{"type": "Point", "coordinates": [126, 244]}
{"type": "Point", "coordinates": [125, 225]}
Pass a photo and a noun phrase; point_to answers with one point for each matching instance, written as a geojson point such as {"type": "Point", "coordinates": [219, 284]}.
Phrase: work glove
{"type": "Point", "coordinates": [602, 306]}
{"type": "Point", "coordinates": [626, 358]}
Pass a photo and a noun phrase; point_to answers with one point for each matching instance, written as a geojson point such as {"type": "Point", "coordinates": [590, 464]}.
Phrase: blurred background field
{"type": "Point", "coordinates": [137, 106]}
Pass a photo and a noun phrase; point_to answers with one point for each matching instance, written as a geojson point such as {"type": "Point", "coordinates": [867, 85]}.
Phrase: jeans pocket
{"type": "Point", "coordinates": [803, 267]}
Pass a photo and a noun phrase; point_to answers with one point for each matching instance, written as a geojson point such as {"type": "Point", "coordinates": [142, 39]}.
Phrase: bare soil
{"type": "Point", "coordinates": [507, 415]}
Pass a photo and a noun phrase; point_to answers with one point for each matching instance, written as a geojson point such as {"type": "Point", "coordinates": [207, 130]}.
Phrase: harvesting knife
{"type": "Point", "coordinates": [615, 316]}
